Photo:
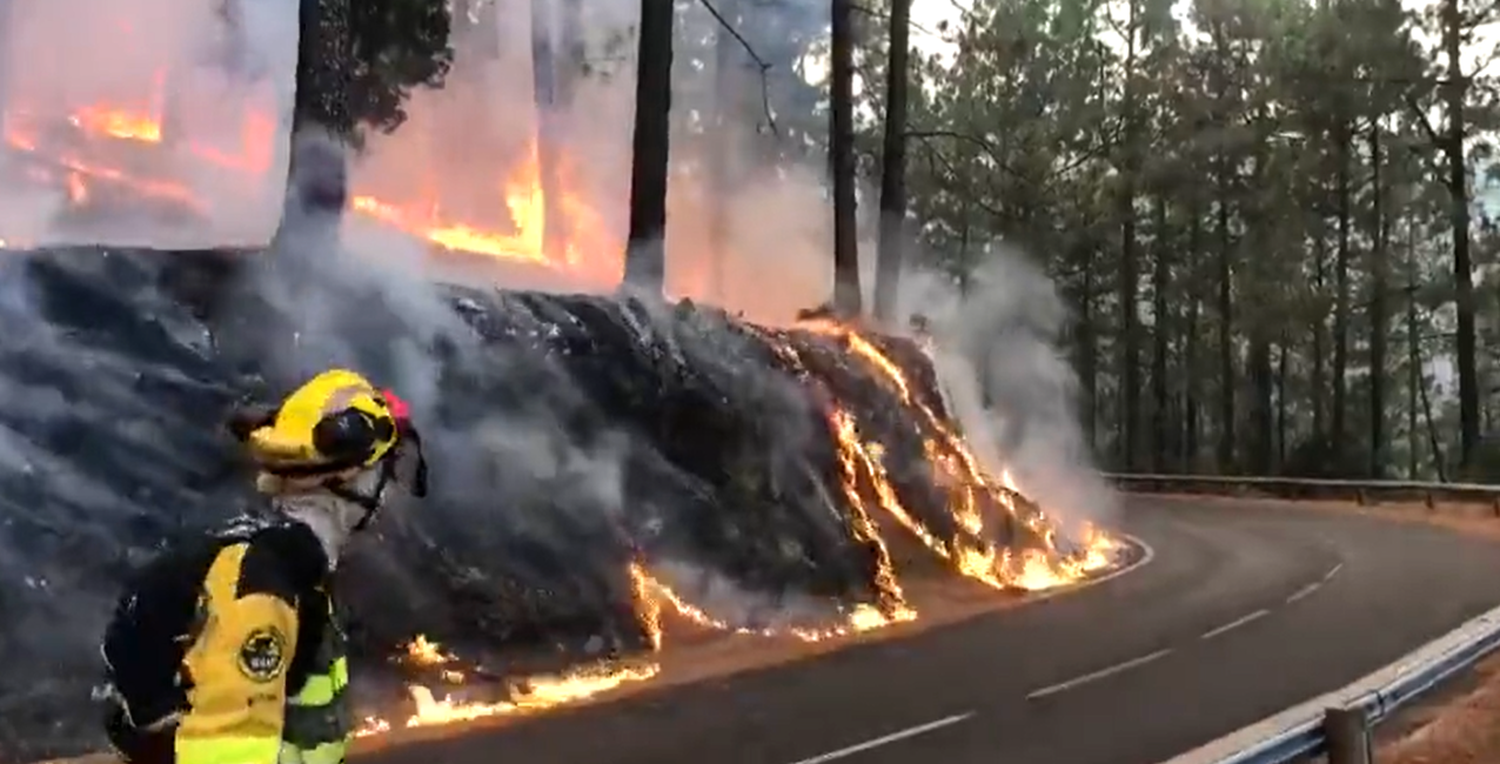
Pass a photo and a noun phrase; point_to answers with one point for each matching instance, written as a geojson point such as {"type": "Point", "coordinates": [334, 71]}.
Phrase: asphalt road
{"type": "Point", "coordinates": [1243, 611]}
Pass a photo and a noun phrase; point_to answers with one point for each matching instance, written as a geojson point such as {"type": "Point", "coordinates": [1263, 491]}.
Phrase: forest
{"type": "Point", "coordinates": [1267, 215]}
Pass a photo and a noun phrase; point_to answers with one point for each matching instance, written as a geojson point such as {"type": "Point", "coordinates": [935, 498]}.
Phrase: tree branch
{"type": "Point", "coordinates": [1426, 125]}
{"type": "Point", "coordinates": [761, 63]}
{"type": "Point", "coordinates": [952, 175]}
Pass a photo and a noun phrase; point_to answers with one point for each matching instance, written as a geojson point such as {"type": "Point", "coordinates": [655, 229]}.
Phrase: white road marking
{"type": "Point", "coordinates": [1236, 623]}
{"type": "Point", "coordinates": [1100, 674]}
{"type": "Point", "coordinates": [920, 729]}
{"type": "Point", "coordinates": [1314, 586]}
{"type": "Point", "coordinates": [1304, 591]}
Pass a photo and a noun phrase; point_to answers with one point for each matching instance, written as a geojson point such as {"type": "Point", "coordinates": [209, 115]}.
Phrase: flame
{"type": "Point", "coordinates": [120, 144]}
{"type": "Point", "coordinates": [973, 555]}
{"type": "Point", "coordinates": [863, 617]}
{"type": "Point", "coordinates": [528, 695]}
{"type": "Point", "coordinates": [118, 124]}
{"type": "Point", "coordinates": [524, 236]}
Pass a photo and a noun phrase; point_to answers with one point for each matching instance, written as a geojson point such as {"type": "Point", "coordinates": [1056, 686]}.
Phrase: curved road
{"type": "Point", "coordinates": [1243, 611]}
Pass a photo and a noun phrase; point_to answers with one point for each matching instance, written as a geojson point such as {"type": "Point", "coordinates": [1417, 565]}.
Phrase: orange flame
{"type": "Point", "coordinates": [531, 694]}
{"type": "Point", "coordinates": [972, 556]}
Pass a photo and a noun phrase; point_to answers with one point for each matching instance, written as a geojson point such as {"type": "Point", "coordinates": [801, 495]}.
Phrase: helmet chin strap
{"type": "Point", "coordinates": [369, 501]}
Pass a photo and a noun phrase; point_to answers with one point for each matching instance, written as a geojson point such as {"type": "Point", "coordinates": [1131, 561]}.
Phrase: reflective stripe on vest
{"type": "Point", "coordinates": [227, 750]}
{"type": "Point", "coordinates": [318, 716]}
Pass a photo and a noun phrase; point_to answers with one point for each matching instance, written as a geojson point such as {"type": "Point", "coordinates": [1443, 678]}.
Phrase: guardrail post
{"type": "Point", "coordinates": [1348, 734]}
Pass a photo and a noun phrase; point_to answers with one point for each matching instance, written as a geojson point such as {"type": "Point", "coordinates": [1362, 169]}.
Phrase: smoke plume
{"type": "Point", "coordinates": [1000, 355]}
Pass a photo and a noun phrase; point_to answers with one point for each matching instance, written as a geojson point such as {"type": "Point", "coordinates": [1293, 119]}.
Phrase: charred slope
{"type": "Point", "coordinates": [570, 435]}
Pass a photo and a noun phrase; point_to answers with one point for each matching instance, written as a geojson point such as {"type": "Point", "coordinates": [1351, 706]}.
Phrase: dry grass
{"type": "Point", "coordinates": [1463, 730]}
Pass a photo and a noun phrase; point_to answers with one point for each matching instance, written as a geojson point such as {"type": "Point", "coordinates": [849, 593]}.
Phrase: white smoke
{"type": "Point", "coordinates": [1000, 356]}
{"type": "Point", "coordinates": [385, 312]}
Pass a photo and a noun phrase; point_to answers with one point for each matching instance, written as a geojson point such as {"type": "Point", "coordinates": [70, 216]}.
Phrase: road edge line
{"type": "Point", "coordinates": [1148, 553]}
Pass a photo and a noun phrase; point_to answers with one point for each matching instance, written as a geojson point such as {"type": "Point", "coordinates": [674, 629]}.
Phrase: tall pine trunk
{"type": "Point", "coordinates": [847, 298]}
{"type": "Point", "coordinates": [1337, 432]}
{"type": "Point", "coordinates": [1455, 93]}
{"type": "Point", "coordinates": [1226, 451]}
{"type": "Point", "coordinates": [1161, 391]}
{"type": "Point", "coordinates": [1283, 369]}
{"type": "Point", "coordinates": [1319, 363]}
{"type": "Point", "coordinates": [1413, 352]}
{"type": "Point", "coordinates": [1087, 349]}
{"type": "Point", "coordinates": [893, 164]}
{"type": "Point", "coordinates": [1191, 396]}
{"type": "Point", "coordinates": [646, 255]}
{"type": "Point", "coordinates": [1129, 286]}
{"type": "Point", "coordinates": [1378, 267]}
{"type": "Point", "coordinates": [317, 177]}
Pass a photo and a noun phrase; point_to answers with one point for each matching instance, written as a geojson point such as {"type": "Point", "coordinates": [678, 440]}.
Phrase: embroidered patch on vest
{"type": "Point", "coordinates": [262, 655]}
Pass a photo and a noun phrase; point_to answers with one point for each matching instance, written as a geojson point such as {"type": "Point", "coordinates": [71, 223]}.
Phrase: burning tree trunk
{"type": "Point", "coordinates": [645, 255]}
{"type": "Point", "coordinates": [893, 169]}
{"type": "Point", "coordinates": [846, 289]}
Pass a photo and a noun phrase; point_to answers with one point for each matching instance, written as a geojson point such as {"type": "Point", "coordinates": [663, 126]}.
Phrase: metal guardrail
{"type": "Point", "coordinates": [1361, 491]}
{"type": "Point", "coordinates": [1338, 725]}
{"type": "Point", "coordinates": [1312, 736]}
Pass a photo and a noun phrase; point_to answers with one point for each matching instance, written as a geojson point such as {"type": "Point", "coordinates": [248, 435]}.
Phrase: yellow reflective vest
{"type": "Point", "coordinates": [232, 654]}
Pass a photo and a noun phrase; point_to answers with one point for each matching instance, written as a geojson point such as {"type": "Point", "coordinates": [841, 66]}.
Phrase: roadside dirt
{"type": "Point", "coordinates": [1460, 725]}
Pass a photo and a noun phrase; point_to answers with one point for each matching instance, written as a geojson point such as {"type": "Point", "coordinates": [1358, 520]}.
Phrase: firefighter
{"type": "Point", "coordinates": [230, 651]}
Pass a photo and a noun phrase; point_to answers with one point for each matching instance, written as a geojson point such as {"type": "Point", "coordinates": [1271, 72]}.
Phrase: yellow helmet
{"type": "Point", "coordinates": [334, 422]}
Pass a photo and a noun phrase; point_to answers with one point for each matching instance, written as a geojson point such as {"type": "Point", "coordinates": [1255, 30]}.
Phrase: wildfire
{"type": "Point", "coordinates": [654, 594]}
{"type": "Point", "coordinates": [529, 695]}
{"type": "Point", "coordinates": [973, 555]}
{"type": "Point", "coordinates": [113, 145]}
{"type": "Point", "coordinates": [127, 146]}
